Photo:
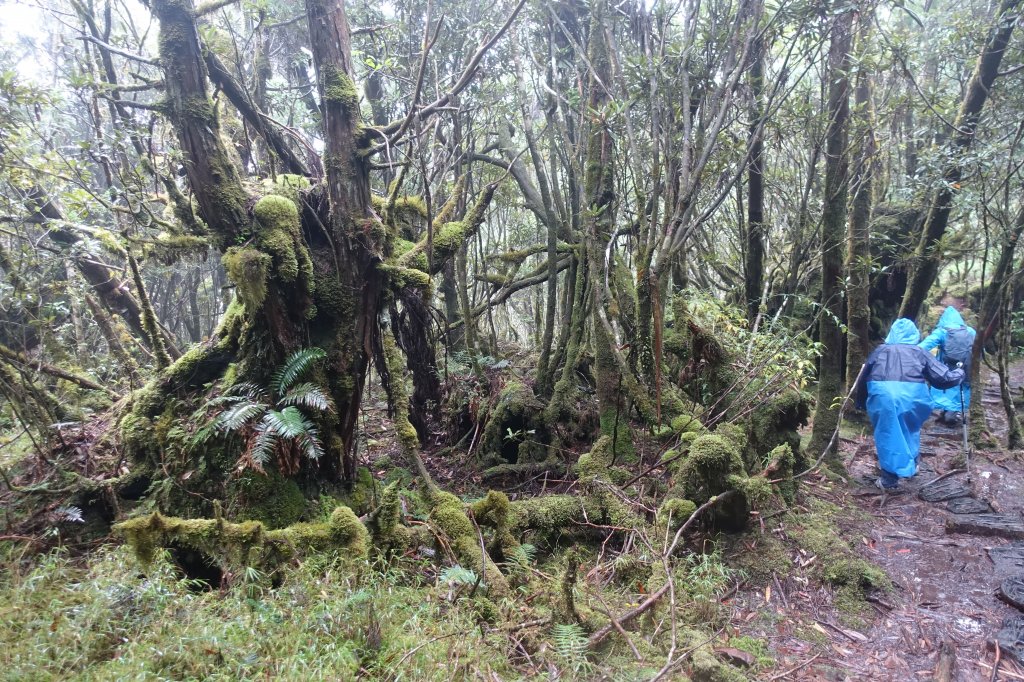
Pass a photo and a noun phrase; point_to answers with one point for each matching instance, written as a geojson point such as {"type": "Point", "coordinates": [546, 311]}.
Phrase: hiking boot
{"type": "Point", "coordinates": [896, 489]}
{"type": "Point", "coordinates": [954, 418]}
{"type": "Point", "coordinates": [940, 416]}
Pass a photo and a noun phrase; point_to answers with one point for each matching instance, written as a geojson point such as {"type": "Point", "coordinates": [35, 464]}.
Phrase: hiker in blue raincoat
{"type": "Point", "coordinates": [894, 390]}
{"type": "Point", "coordinates": [955, 340]}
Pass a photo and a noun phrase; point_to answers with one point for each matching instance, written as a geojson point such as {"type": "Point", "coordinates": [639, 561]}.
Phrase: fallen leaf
{"type": "Point", "coordinates": [735, 656]}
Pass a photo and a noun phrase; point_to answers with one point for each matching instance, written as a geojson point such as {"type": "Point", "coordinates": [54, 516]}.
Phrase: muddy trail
{"type": "Point", "coordinates": [947, 546]}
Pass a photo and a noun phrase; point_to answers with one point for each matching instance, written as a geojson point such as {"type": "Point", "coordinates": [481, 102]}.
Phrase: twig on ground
{"type": "Point", "coordinates": [786, 673]}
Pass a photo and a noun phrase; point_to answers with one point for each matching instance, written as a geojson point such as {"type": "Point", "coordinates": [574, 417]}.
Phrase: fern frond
{"type": "Point", "coordinates": [288, 423]}
{"type": "Point", "coordinates": [224, 400]}
{"type": "Point", "coordinates": [310, 396]}
{"type": "Point", "coordinates": [247, 389]}
{"type": "Point", "coordinates": [237, 416]}
{"type": "Point", "coordinates": [458, 575]}
{"type": "Point", "coordinates": [570, 642]}
{"type": "Point", "coordinates": [311, 445]}
{"type": "Point", "coordinates": [294, 367]}
{"type": "Point", "coordinates": [263, 446]}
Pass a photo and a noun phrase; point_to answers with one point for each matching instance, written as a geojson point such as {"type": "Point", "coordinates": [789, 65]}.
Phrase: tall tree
{"type": "Point", "coordinates": [833, 229]}
{"type": "Point", "coordinates": [754, 253]}
{"type": "Point", "coordinates": [858, 255]}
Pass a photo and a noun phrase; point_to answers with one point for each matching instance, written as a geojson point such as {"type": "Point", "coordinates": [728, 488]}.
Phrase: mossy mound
{"type": "Point", "coordinates": [515, 432]}
{"type": "Point", "coordinates": [271, 499]}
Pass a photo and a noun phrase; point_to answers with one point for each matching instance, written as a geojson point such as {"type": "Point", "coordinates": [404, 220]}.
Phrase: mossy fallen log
{"type": "Point", "coordinates": [233, 547]}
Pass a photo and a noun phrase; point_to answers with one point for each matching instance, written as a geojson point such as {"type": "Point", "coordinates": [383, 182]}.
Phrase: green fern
{"type": "Point", "coordinates": [458, 575]}
{"type": "Point", "coordinates": [279, 423]}
{"type": "Point", "coordinates": [294, 367]}
{"type": "Point", "coordinates": [571, 643]}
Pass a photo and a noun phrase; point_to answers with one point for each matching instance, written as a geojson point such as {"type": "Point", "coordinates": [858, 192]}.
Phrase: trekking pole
{"type": "Point", "coordinates": [963, 421]}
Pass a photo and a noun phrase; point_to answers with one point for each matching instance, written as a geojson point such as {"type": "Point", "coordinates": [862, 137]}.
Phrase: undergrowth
{"type": "Point", "coordinates": [107, 620]}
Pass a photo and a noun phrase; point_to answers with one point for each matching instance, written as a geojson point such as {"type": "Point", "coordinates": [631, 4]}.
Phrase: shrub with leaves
{"type": "Point", "coordinates": [274, 421]}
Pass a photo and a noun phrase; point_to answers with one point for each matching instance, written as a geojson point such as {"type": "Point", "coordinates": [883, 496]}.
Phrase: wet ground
{"type": "Point", "coordinates": [946, 582]}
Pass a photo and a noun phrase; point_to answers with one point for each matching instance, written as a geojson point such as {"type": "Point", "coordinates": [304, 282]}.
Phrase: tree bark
{"type": "Point", "coordinates": [858, 255]}
{"type": "Point", "coordinates": [754, 255]}
{"type": "Point", "coordinates": [833, 227]}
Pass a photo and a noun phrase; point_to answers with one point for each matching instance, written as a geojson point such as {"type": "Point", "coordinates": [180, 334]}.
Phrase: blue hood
{"type": "Point", "coordinates": [905, 331]}
{"type": "Point", "coordinates": [951, 319]}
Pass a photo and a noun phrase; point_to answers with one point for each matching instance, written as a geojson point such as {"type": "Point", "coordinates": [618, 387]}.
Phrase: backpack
{"type": "Point", "coordinates": [958, 346]}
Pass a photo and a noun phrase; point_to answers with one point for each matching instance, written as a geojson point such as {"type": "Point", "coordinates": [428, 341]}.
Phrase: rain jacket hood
{"type": "Point", "coordinates": [904, 331]}
{"type": "Point", "coordinates": [951, 319]}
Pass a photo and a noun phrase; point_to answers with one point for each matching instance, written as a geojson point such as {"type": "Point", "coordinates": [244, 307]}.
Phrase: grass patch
{"type": "Point", "coordinates": [106, 620]}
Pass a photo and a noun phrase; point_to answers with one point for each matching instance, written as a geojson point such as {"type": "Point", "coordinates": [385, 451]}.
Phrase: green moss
{"type": "Point", "coordinates": [364, 491]}
{"type": "Point", "coordinates": [170, 248]}
{"type": "Point", "coordinates": [347, 531]}
{"type": "Point", "coordinates": [556, 515]}
{"type": "Point", "coordinates": [450, 237]}
{"type": "Point", "coordinates": [674, 512]}
{"type": "Point", "coordinates": [853, 577]}
{"type": "Point", "coordinates": [109, 241]}
{"type": "Point", "coordinates": [761, 557]}
{"type": "Point", "coordinates": [706, 469]}
{"type": "Point", "coordinates": [338, 88]}
{"type": "Point", "coordinates": [137, 435]}
{"type": "Point", "coordinates": [235, 546]}
{"type": "Point", "coordinates": [331, 298]}
{"type": "Point", "coordinates": [686, 423]}
{"type": "Point", "coordinates": [493, 511]}
{"type": "Point", "coordinates": [734, 433]}
{"type": "Point", "coordinates": [279, 235]}
{"type": "Point", "coordinates": [269, 498]}
{"type": "Point", "coordinates": [230, 327]}
{"type": "Point", "coordinates": [520, 412]}
{"type": "Point", "coordinates": [287, 185]}
{"type": "Point", "coordinates": [595, 464]}
{"type": "Point", "coordinates": [401, 277]}
{"type": "Point", "coordinates": [449, 515]}
{"type": "Point", "coordinates": [777, 422]}
{"type": "Point", "coordinates": [385, 526]}
{"type": "Point", "coordinates": [248, 269]}
{"type": "Point", "coordinates": [411, 205]}
{"type": "Point", "coordinates": [758, 648]}
{"type": "Point", "coordinates": [417, 260]}
{"type": "Point", "coordinates": [615, 426]}
{"type": "Point", "coordinates": [704, 666]}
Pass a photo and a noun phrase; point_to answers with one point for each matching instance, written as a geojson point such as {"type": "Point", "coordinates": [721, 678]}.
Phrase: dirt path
{"type": "Point", "coordinates": [946, 583]}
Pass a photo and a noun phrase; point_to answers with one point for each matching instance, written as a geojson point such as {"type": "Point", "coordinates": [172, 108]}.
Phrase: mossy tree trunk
{"type": "Point", "coordinates": [754, 255]}
{"type": "Point", "coordinates": [927, 256]}
{"type": "Point", "coordinates": [279, 253]}
{"type": "Point", "coordinates": [833, 228]}
{"type": "Point", "coordinates": [858, 254]}
{"type": "Point", "coordinates": [599, 224]}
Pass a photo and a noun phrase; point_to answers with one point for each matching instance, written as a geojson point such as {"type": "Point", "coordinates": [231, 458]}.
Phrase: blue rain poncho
{"type": "Point", "coordinates": [894, 390]}
{"type": "Point", "coordinates": [948, 399]}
